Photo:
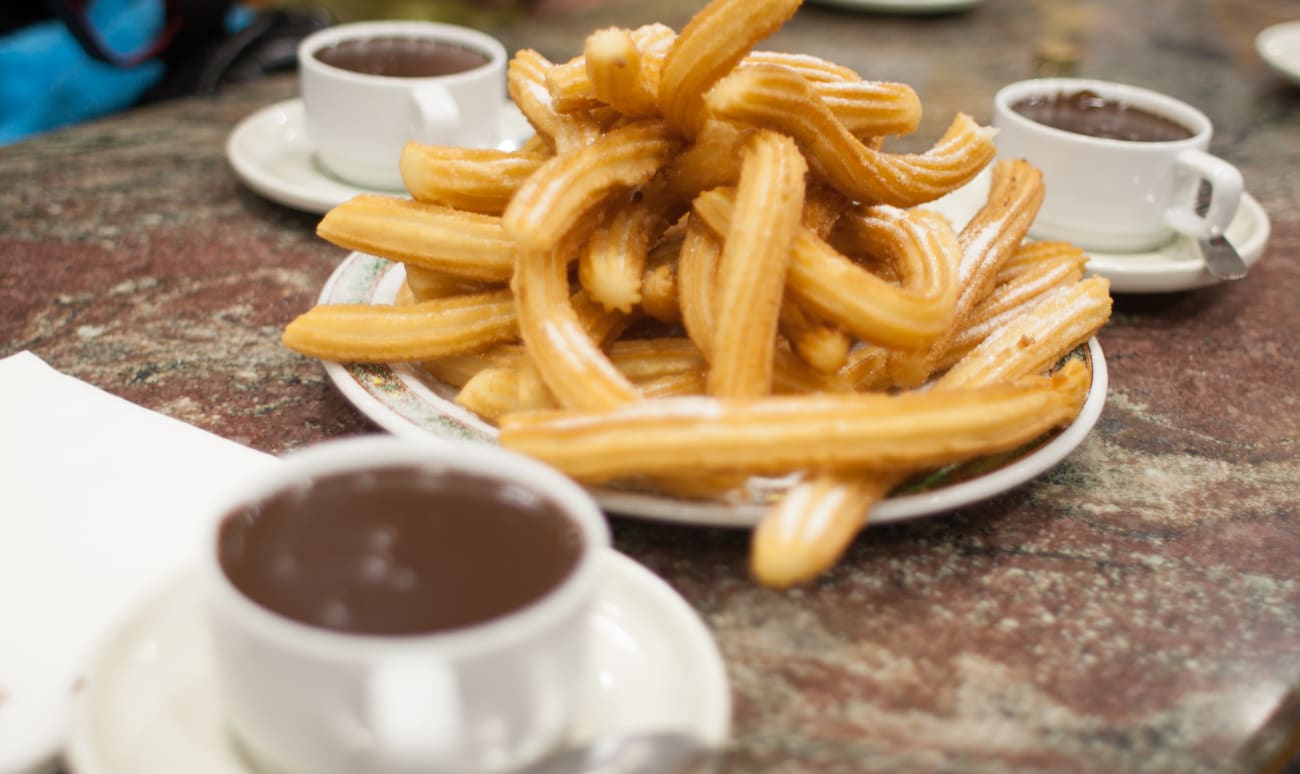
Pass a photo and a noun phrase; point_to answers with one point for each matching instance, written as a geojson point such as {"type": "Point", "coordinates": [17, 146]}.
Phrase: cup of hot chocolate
{"type": "Point", "coordinates": [1122, 165]}
{"type": "Point", "coordinates": [369, 87]}
{"type": "Point", "coordinates": [383, 606]}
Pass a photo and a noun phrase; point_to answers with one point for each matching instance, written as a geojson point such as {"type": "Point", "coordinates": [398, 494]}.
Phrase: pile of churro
{"type": "Point", "coordinates": [705, 268]}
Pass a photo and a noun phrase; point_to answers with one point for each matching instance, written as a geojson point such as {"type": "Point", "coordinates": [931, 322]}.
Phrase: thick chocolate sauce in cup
{"type": "Point", "coordinates": [1088, 113]}
{"type": "Point", "coordinates": [402, 57]}
{"type": "Point", "coordinates": [398, 551]}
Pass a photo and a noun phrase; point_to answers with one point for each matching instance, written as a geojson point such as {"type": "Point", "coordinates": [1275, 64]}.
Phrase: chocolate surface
{"type": "Point", "coordinates": [1088, 113]}
{"type": "Point", "coordinates": [398, 551]}
{"type": "Point", "coordinates": [401, 57]}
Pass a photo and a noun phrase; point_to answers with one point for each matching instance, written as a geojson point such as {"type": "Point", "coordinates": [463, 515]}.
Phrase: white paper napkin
{"type": "Point", "coordinates": [99, 499]}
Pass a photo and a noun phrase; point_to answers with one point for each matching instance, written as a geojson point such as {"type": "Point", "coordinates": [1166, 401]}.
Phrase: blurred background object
{"type": "Point", "coordinates": [67, 61]}
{"type": "Point", "coordinates": [470, 13]}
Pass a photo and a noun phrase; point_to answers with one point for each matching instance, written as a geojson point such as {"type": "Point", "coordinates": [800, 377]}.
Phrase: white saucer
{"type": "Point", "coordinates": [901, 6]}
{"type": "Point", "coordinates": [271, 154]}
{"type": "Point", "coordinates": [1279, 46]}
{"type": "Point", "coordinates": [1176, 266]}
{"type": "Point", "coordinates": [147, 703]}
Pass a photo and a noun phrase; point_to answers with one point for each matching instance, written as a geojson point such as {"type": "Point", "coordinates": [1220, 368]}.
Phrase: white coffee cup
{"type": "Point", "coordinates": [305, 699]}
{"type": "Point", "coordinates": [1118, 195]}
{"type": "Point", "coordinates": [359, 122]}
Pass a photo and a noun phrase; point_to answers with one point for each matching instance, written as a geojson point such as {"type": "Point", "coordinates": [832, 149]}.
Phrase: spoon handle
{"type": "Point", "coordinates": [1222, 260]}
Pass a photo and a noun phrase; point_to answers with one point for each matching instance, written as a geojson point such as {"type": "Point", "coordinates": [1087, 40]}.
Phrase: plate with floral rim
{"type": "Point", "coordinates": [405, 400]}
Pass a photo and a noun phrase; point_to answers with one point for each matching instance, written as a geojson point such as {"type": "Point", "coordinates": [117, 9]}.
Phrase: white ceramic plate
{"type": "Point", "coordinates": [270, 152]}
{"type": "Point", "coordinates": [901, 6]}
{"type": "Point", "coordinates": [406, 401]}
{"type": "Point", "coordinates": [1279, 46]}
{"type": "Point", "coordinates": [147, 704]}
{"type": "Point", "coordinates": [1176, 266]}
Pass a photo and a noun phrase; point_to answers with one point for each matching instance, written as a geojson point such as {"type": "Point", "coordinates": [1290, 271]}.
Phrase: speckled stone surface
{"type": "Point", "coordinates": [1135, 609]}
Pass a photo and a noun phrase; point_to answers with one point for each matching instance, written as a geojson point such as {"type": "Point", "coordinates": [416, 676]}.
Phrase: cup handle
{"type": "Point", "coordinates": [414, 714]}
{"type": "Point", "coordinates": [1192, 167]}
{"type": "Point", "coordinates": [435, 116]}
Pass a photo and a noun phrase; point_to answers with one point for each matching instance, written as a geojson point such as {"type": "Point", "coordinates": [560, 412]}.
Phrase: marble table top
{"type": "Point", "coordinates": [1137, 608]}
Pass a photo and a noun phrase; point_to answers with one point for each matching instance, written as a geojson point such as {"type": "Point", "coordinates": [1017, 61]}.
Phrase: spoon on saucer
{"type": "Point", "coordinates": [655, 752]}
{"type": "Point", "coordinates": [1222, 260]}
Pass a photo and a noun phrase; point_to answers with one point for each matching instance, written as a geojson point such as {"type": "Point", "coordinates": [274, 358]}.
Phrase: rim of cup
{"type": "Point", "coordinates": [363, 453]}
{"type": "Point", "coordinates": [1153, 102]}
{"type": "Point", "coordinates": [451, 33]}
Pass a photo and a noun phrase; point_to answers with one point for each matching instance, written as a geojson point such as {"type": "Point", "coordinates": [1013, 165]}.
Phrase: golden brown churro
{"type": "Point", "coordinates": [767, 213]}
{"type": "Point", "coordinates": [614, 259]}
{"type": "Point", "coordinates": [465, 244]}
{"type": "Point", "coordinates": [875, 432]}
{"type": "Point", "coordinates": [710, 45]}
{"type": "Point", "coordinates": [570, 186]}
{"type": "Point", "coordinates": [375, 334]}
{"type": "Point", "coordinates": [615, 69]}
{"type": "Point", "coordinates": [472, 179]}
{"type": "Point", "coordinates": [839, 290]}
{"type": "Point", "coordinates": [427, 284]}
{"type": "Point", "coordinates": [780, 99]}
{"type": "Point", "coordinates": [568, 359]}
{"type": "Point", "coordinates": [526, 82]}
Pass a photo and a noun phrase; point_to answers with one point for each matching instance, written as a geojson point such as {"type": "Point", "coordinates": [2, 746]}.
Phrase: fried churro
{"type": "Point", "coordinates": [767, 216]}
{"type": "Point", "coordinates": [570, 186]}
{"type": "Point", "coordinates": [839, 290]}
{"type": "Point", "coordinates": [464, 244]}
{"type": "Point", "coordinates": [526, 82]}
{"type": "Point", "coordinates": [363, 333]}
{"type": "Point", "coordinates": [471, 179]}
{"type": "Point", "coordinates": [779, 99]}
{"type": "Point", "coordinates": [874, 431]}
{"type": "Point", "coordinates": [716, 39]}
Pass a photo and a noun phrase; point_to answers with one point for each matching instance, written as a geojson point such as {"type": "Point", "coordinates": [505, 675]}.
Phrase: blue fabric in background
{"type": "Point", "coordinates": [47, 81]}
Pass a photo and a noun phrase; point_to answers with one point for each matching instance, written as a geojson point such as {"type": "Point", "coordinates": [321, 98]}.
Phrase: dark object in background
{"type": "Point", "coordinates": [198, 48]}
{"type": "Point", "coordinates": [268, 44]}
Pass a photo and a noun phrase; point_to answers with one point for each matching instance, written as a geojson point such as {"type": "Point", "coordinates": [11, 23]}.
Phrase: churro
{"type": "Point", "coordinates": [990, 238]}
{"type": "Point", "coordinates": [364, 333]}
{"type": "Point", "coordinates": [821, 345]}
{"type": "Point", "coordinates": [526, 82]}
{"type": "Point", "coordinates": [426, 284]}
{"type": "Point", "coordinates": [871, 431]}
{"type": "Point", "coordinates": [779, 99]}
{"type": "Point", "coordinates": [611, 264]}
{"type": "Point", "coordinates": [711, 44]}
{"type": "Point", "coordinates": [1054, 264]}
{"type": "Point", "coordinates": [659, 292]}
{"type": "Point", "coordinates": [697, 275]}
{"type": "Point", "coordinates": [570, 186]}
{"type": "Point", "coordinates": [839, 290]}
{"type": "Point", "coordinates": [464, 244]}
{"type": "Point", "coordinates": [767, 216]}
{"type": "Point", "coordinates": [570, 362]}
{"type": "Point", "coordinates": [571, 86]}
{"type": "Point", "coordinates": [617, 76]}
{"type": "Point", "coordinates": [472, 179]}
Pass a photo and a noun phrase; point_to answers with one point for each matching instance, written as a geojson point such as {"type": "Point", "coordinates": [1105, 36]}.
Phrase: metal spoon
{"type": "Point", "coordinates": [656, 752]}
{"type": "Point", "coordinates": [1222, 260]}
